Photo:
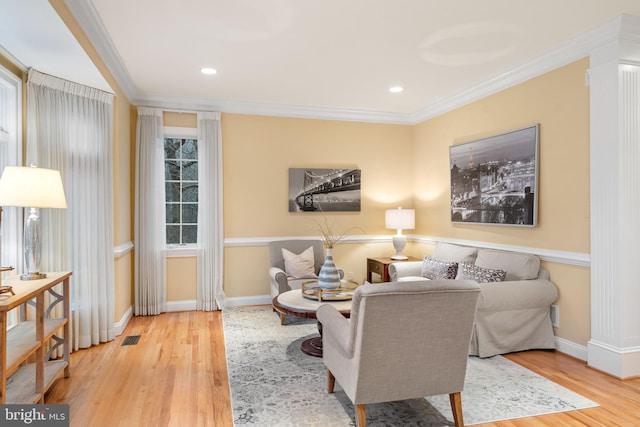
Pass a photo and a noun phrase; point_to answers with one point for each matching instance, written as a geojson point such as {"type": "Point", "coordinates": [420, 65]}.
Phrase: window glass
{"type": "Point", "coordinates": [181, 190]}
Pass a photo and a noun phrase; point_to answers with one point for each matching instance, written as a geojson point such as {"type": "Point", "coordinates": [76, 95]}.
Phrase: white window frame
{"type": "Point", "coordinates": [188, 249]}
{"type": "Point", "coordinates": [11, 122]}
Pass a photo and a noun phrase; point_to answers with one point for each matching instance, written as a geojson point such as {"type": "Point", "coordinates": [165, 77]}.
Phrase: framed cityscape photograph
{"type": "Point", "coordinates": [324, 190]}
{"type": "Point", "coordinates": [494, 180]}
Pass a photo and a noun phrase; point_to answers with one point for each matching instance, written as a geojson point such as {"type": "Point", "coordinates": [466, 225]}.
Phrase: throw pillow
{"type": "Point", "coordinates": [468, 271]}
{"type": "Point", "coordinates": [519, 266]}
{"type": "Point", "coordinates": [434, 269]}
{"type": "Point", "coordinates": [456, 253]}
{"type": "Point", "coordinates": [301, 265]}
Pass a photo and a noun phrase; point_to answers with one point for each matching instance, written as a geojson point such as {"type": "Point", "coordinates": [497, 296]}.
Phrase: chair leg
{"type": "Point", "coordinates": [331, 382]}
{"type": "Point", "coordinates": [456, 408]}
{"type": "Point", "coordinates": [361, 416]}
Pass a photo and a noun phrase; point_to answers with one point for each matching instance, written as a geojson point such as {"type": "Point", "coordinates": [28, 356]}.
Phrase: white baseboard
{"type": "Point", "coordinates": [571, 348]}
{"type": "Point", "coordinates": [186, 305]}
{"type": "Point", "coordinates": [124, 321]}
{"type": "Point", "coordinates": [253, 300]}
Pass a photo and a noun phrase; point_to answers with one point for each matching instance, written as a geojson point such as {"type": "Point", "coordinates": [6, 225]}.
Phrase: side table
{"type": "Point", "coordinates": [380, 266]}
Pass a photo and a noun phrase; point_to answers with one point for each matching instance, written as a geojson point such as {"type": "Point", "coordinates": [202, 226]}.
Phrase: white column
{"type": "Point", "coordinates": [614, 78]}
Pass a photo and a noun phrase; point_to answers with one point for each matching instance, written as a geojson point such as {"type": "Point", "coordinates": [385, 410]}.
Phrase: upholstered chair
{"type": "Point", "coordinates": [279, 280]}
{"type": "Point", "coordinates": [404, 340]}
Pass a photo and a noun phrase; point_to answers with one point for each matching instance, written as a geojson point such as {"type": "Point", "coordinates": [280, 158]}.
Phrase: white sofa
{"type": "Point", "coordinates": [513, 314]}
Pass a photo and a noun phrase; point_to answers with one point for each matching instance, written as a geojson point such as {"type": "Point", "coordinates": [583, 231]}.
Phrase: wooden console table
{"type": "Point", "coordinates": [26, 372]}
{"type": "Point", "coordinates": [381, 266]}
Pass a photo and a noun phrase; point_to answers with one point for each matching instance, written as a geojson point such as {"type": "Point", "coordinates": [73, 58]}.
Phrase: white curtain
{"type": "Point", "coordinates": [210, 295]}
{"type": "Point", "coordinates": [149, 222]}
{"type": "Point", "coordinates": [69, 128]}
{"type": "Point", "coordinates": [10, 155]}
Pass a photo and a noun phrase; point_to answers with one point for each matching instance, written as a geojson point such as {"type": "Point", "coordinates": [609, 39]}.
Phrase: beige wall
{"type": "Point", "coordinates": [258, 152]}
{"type": "Point", "coordinates": [401, 165]}
{"type": "Point", "coordinates": [559, 102]}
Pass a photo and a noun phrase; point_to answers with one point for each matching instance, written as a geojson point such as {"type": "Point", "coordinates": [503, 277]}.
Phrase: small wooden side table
{"type": "Point", "coordinates": [381, 266]}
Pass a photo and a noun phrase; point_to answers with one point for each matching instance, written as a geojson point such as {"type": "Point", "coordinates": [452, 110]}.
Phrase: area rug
{"type": "Point", "coordinates": [273, 383]}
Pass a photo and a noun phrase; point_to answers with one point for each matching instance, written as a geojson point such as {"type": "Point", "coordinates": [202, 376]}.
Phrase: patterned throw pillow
{"type": "Point", "coordinates": [434, 269]}
{"type": "Point", "coordinates": [468, 271]}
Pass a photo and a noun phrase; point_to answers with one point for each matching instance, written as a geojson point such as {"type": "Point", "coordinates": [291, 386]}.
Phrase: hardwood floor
{"type": "Point", "coordinates": [176, 376]}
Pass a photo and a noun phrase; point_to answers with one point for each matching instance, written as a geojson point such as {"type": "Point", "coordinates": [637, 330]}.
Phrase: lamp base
{"type": "Point", "coordinates": [33, 276]}
{"type": "Point", "coordinates": [400, 257]}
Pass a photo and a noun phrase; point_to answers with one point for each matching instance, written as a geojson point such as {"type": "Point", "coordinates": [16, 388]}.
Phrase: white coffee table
{"type": "Point", "coordinates": [292, 302]}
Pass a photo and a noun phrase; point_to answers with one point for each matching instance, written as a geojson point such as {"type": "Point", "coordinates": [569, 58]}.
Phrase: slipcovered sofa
{"type": "Point", "coordinates": [513, 314]}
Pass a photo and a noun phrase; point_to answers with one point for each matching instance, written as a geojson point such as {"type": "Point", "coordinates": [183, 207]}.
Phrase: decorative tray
{"type": "Point", "coordinates": [5, 289]}
{"type": "Point", "coordinates": [312, 291]}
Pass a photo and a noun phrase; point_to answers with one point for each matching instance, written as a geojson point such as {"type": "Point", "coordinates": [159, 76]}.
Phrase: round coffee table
{"type": "Point", "coordinates": [293, 303]}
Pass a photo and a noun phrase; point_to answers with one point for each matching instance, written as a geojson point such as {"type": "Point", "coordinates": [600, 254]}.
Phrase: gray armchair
{"type": "Point", "coordinates": [403, 341]}
{"type": "Point", "coordinates": [277, 277]}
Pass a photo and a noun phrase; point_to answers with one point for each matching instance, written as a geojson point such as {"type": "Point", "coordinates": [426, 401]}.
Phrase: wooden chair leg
{"type": "Point", "coordinates": [456, 408]}
{"type": "Point", "coordinates": [361, 415]}
{"type": "Point", "coordinates": [331, 381]}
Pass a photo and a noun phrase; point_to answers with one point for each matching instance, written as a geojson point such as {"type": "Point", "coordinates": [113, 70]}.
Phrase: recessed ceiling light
{"type": "Point", "coordinates": [208, 71]}
{"type": "Point", "coordinates": [396, 89]}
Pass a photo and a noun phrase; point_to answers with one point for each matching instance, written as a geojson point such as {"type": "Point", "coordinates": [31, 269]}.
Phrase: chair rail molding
{"type": "Point", "coordinates": [550, 255]}
{"type": "Point", "coordinates": [122, 249]}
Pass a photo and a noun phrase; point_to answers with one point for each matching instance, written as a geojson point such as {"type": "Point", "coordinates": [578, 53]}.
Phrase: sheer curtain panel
{"type": "Point", "coordinates": [69, 128]}
{"type": "Point", "coordinates": [210, 295]}
{"type": "Point", "coordinates": [149, 222]}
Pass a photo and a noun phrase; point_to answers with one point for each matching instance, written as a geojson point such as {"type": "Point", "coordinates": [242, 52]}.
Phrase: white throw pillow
{"type": "Point", "coordinates": [455, 253]}
{"type": "Point", "coordinates": [518, 266]}
{"type": "Point", "coordinates": [299, 266]}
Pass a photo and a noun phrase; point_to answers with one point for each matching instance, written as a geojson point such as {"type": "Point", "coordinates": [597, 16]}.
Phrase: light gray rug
{"type": "Point", "coordinates": [274, 384]}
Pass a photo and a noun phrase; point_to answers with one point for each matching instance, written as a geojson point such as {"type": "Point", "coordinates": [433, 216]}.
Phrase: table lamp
{"type": "Point", "coordinates": [32, 188]}
{"type": "Point", "coordinates": [400, 219]}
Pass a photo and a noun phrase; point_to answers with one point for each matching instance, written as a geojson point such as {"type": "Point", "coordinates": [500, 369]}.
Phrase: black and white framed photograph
{"type": "Point", "coordinates": [324, 190]}
{"type": "Point", "coordinates": [494, 180]}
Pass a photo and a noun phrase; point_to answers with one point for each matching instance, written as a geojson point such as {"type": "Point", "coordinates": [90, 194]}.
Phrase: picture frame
{"type": "Point", "coordinates": [324, 190]}
{"type": "Point", "coordinates": [494, 180]}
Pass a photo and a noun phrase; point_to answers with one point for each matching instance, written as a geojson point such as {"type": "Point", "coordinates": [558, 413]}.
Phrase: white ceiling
{"type": "Point", "coordinates": [312, 55]}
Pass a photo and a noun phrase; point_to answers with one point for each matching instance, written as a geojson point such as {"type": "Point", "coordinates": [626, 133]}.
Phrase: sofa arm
{"type": "Point", "coordinates": [278, 280]}
{"type": "Point", "coordinates": [517, 294]}
{"type": "Point", "coordinates": [404, 269]}
{"type": "Point", "coordinates": [337, 327]}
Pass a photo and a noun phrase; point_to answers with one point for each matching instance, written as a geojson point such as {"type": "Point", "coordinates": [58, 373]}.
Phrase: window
{"type": "Point", "coordinates": [10, 155]}
{"type": "Point", "coordinates": [181, 189]}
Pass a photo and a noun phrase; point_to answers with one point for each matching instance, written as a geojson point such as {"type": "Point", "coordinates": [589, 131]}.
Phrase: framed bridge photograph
{"type": "Point", "coordinates": [324, 190]}
{"type": "Point", "coordinates": [494, 180]}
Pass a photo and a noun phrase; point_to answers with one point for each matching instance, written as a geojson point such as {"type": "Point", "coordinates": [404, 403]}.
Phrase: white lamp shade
{"type": "Point", "coordinates": [400, 219]}
{"type": "Point", "coordinates": [31, 187]}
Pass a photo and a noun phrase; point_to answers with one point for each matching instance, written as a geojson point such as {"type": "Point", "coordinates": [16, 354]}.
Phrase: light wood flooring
{"type": "Point", "coordinates": [176, 376]}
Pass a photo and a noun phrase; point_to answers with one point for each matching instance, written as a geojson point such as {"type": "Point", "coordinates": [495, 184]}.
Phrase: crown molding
{"type": "Point", "coordinates": [625, 26]}
{"type": "Point", "coordinates": [280, 110]}
{"type": "Point", "coordinates": [4, 52]}
{"type": "Point", "coordinates": [572, 50]}
{"type": "Point", "coordinates": [85, 13]}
